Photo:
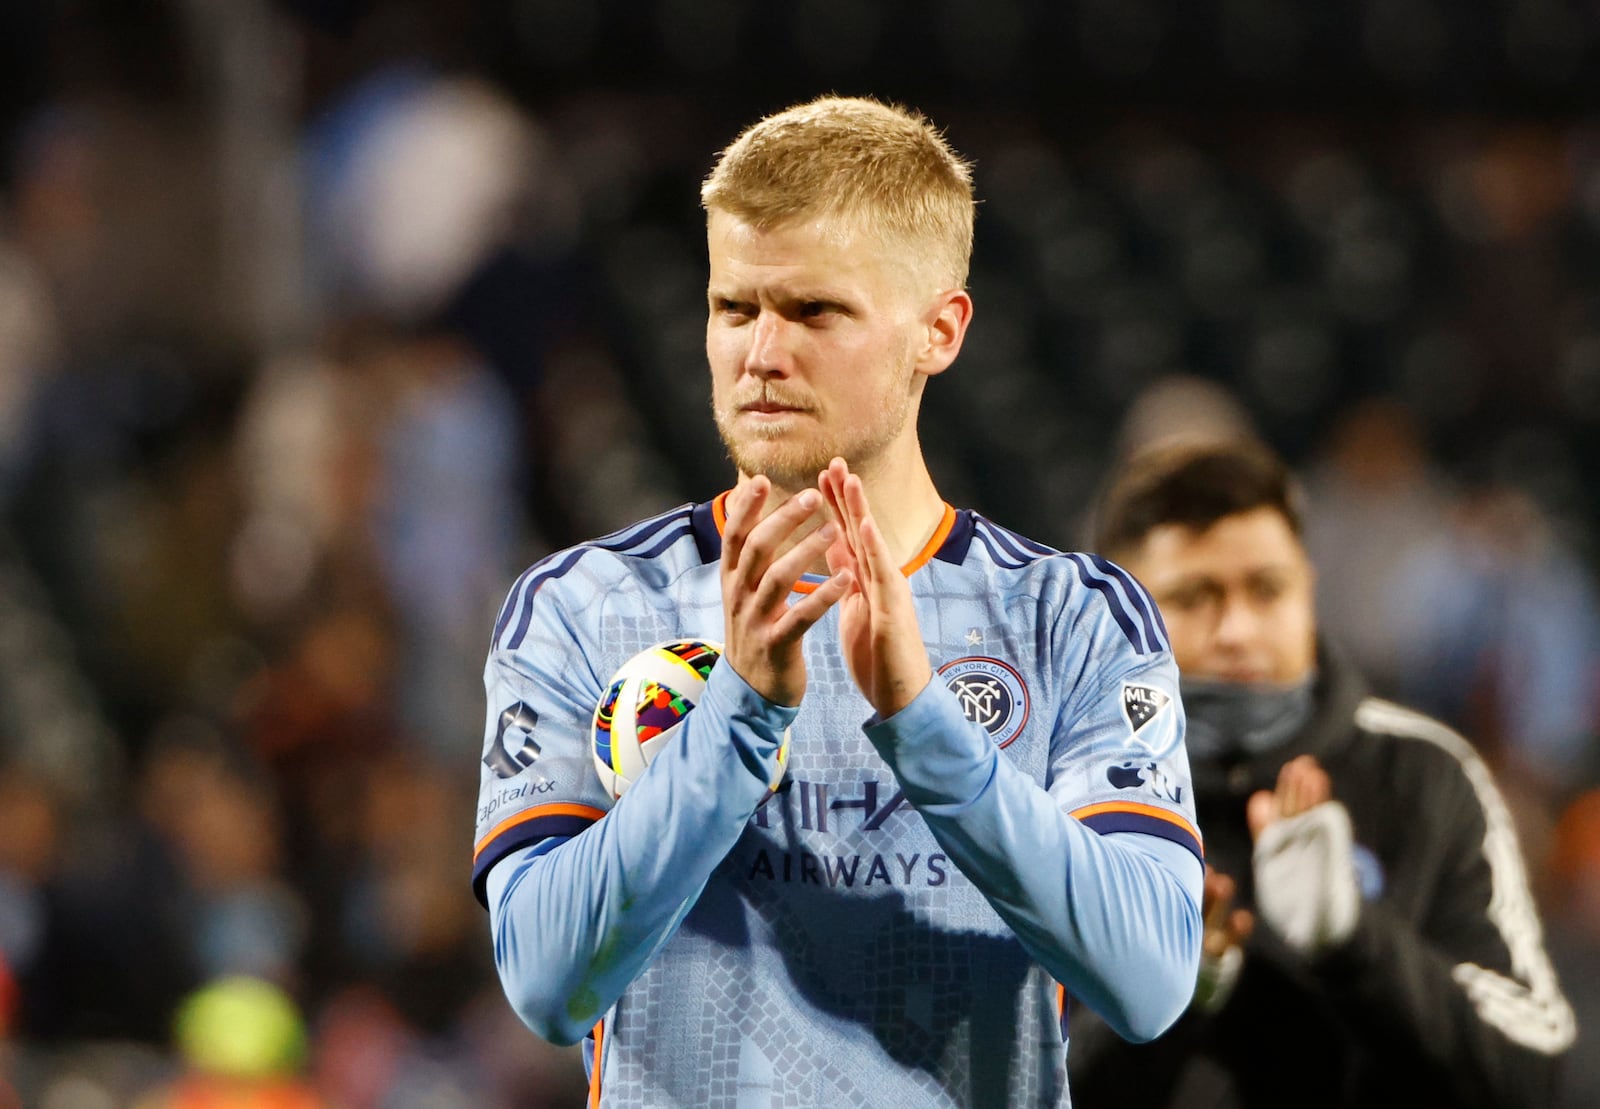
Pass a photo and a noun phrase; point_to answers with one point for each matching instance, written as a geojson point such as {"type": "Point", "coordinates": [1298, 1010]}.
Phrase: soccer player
{"type": "Point", "coordinates": [1370, 938]}
{"type": "Point", "coordinates": [985, 805]}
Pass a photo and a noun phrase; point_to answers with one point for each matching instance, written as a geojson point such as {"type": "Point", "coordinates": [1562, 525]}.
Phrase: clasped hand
{"type": "Point", "coordinates": [763, 557]}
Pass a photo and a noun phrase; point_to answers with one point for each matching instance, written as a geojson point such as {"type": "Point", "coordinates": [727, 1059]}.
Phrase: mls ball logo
{"type": "Point", "coordinates": [514, 748]}
{"type": "Point", "coordinates": [991, 694]}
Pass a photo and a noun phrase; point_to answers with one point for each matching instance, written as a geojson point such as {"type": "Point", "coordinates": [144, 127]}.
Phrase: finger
{"type": "Point", "coordinates": [833, 497]}
{"type": "Point", "coordinates": [768, 536]}
{"type": "Point", "coordinates": [1242, 923]}
{"type": "Point", "coordinates": [1288, 790]}
{"type": "Point", "coordinates": [1308, 785]}
{"type": "Point", "coordinates": [839, 554]}
{"type": "Point", "coordinates": [1319, 787]}
{"type": "Point", "coordinates": [1291, 787]}
{"type": "Point", "coordinates": [877, 563]}
{"type": "Point", "coordinates": [1218, 898]}
{"type": "Point", "coordinates": [880, 564]}
{"type": "Point", "coordinates": [744, 507]}
{"type": "Point", "coordinates": [839, 479]}
{"type": "Point", "coordinates": [811, 607]}
{"type": "Point", "coordinates": [779, 579]}
{"type": "Point", "coordinates": [1260, 811]}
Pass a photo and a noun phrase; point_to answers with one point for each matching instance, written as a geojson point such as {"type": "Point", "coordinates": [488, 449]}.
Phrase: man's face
{"type": "Point", "coordinates": [814, 340]}
{"type": "Point", "coordinates": [1237, 598]}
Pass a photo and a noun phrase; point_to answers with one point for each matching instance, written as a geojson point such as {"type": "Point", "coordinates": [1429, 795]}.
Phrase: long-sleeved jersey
{"type": "Point", "coordinates": [900, 922]}
{"type": "Point", "coordinates": [1444, 994]}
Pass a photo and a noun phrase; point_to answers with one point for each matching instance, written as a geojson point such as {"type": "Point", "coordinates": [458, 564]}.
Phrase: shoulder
{"type": "Point", "coordinates": [1416, 731]}
{"type": "Point", "coordinates": [648, 554]}
{"type": "Point", "coordinates": [1085, 589]}
{"type": "Point", "coordinates": [1427, 752]}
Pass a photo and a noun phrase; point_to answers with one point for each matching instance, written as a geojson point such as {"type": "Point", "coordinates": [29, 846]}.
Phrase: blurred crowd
{"type": "Point", "coordinates": [311, 339]}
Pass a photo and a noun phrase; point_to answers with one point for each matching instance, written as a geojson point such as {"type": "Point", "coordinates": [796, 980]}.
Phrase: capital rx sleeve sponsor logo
{"type": "Point", "coordinates": [514, 749]}
{"type": "Point", "coordinates": [991, 693]}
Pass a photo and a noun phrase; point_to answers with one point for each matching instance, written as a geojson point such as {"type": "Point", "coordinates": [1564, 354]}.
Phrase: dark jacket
{"type": "Point", "coordinates": [1444, 995]}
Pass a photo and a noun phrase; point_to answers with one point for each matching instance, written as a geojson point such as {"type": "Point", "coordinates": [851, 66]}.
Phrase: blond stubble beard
{"type": "Point", "coordinates": [793, 464]}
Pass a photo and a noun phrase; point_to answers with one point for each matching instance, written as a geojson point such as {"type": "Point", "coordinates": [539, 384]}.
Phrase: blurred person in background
{"type": "Point", "coordinates": [1509, 637]}
{"type": "Point", "coordinates": [1467, 602]}
{"type": "Point", "coordinates": [1573, 896]}
{"type": "Point", "coordinates": [1371, 939]}
{"type": "Point", "coordinates": [242, 1045]}
{"type": "Point", "coordinates": [1375, 498]}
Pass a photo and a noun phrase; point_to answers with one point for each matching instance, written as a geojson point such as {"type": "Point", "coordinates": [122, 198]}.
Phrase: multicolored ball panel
{"type": "Point", "coordinates": [658, 709]}
{"type": "Point", "coordinates": [645, 702]}
{"type": "Point", "coordinates": [604, 715]}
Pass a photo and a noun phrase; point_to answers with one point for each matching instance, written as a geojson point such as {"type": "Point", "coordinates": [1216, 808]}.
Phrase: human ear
{"type": "Point", "coordinates": [947, 322]}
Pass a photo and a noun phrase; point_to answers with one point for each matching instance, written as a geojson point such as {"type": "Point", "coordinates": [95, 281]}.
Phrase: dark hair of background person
{"type": "Point", "coordinates": [1194, 486]}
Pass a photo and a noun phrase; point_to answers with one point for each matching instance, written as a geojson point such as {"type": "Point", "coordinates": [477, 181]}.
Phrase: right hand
{"type": "Point", "coordinates": [762, 631]}
{"type": "Point", "coordinates": [1225, 926]}
{"type": "Point", "coordinates": [1222, 946]}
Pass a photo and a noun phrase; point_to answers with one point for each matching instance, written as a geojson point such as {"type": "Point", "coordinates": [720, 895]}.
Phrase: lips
{"type": "Point", "coordinates": [767, 403]}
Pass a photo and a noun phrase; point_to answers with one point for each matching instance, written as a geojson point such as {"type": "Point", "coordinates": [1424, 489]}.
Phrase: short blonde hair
{"type": "Point", "coordinates": [859, 158]}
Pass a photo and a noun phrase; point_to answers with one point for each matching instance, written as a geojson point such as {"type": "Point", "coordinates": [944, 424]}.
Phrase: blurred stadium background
{"type": "Point", "coordinates": [320, 320]}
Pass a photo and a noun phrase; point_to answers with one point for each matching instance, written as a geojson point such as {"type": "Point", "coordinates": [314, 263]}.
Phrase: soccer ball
{"type": "Point", "coordinates": [644, 703]}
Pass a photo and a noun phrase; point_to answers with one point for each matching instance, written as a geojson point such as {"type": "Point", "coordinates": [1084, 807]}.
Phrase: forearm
{"type": "Point", "coordinates": [576, 923]}
{"type": "Point", "coordinates": [1114, 918]}
{"type": "Point", "coordinates": [1495, 1044]}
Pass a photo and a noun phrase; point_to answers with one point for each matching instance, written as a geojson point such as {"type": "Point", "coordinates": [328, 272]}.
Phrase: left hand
{"type": "Point", "coordinates": [1302, 785]}
{"type": "Point", "coordinates": [1306, 888]}
{"type": "Point", "coordinates": [878, 626]}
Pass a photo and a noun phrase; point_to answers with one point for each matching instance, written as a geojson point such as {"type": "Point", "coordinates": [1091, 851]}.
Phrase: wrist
{"type": "Point", "coordinates": [1219, 974]}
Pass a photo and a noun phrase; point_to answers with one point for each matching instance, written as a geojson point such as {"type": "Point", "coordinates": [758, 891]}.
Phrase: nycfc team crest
{"type": "Point", "coordinates": [991, 694]}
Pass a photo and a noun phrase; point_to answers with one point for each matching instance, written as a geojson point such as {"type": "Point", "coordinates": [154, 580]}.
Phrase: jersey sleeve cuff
{"type": "Point", "coordinates": [738, 702]}
{"type": "Point", "coordinates": [930, 745]}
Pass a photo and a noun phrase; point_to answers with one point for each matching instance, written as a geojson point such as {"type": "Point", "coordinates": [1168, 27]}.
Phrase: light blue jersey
{"type": "Point", "coordinates": [902, 921]}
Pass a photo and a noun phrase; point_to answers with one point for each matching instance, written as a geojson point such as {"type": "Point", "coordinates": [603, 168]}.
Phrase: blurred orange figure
{"type": "Point", "coordinates": [243, 1043]}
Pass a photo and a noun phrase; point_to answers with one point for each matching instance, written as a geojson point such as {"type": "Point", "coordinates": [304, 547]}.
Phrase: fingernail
{"type": "Point", "coordinates": [828, 531]}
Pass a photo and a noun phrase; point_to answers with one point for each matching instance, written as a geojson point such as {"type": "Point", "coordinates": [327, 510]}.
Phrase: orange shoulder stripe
{"type": "Point", "coordinates": [559, 809]}
{"type": "Point", "coordinates": [1139, 809]}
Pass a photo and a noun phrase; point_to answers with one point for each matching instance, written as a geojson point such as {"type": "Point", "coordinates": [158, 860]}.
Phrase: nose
{"type": "Point", "coordinates": [769, 353]}
{"type": "Point", "coordinates": [1237, 622]}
